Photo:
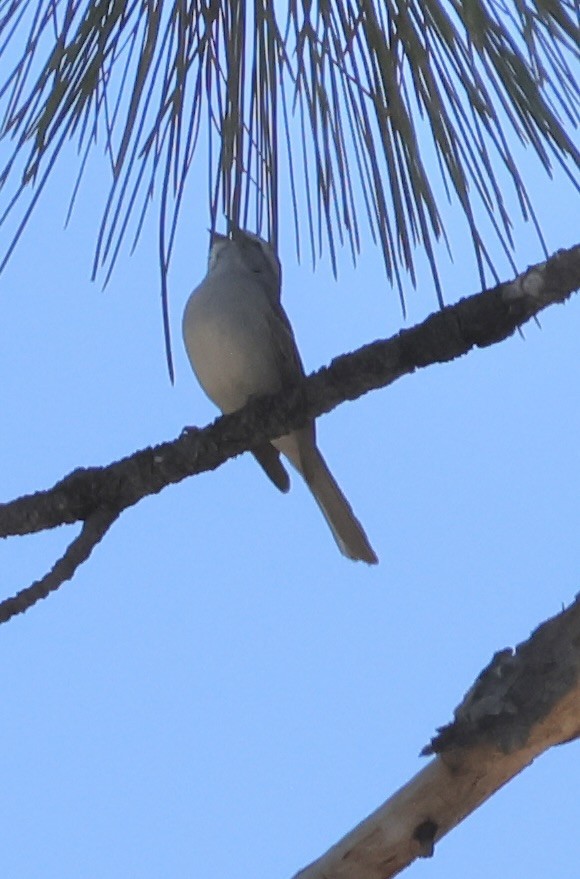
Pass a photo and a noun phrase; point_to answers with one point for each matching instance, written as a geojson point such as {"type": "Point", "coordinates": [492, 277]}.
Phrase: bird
{"type": "Point", "coordinates": [240, 346]}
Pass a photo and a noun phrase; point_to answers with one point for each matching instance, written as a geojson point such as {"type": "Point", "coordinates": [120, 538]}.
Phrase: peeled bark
{"type": "Point", "coordinates": [523, 703]}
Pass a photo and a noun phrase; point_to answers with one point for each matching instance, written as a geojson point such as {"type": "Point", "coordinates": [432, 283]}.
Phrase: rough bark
{"type": "Point", "coordinates": [99, 494]}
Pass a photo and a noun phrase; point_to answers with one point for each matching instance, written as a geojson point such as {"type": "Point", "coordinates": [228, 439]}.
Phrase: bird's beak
{"type": "Point", "coordinates": [215, 237]}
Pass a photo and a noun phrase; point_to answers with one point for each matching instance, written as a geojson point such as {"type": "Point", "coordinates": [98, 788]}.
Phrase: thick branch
{"type": "Point", "coordinates": [479, 320]}
{"type": "Point", "coordinates": [524, 702]}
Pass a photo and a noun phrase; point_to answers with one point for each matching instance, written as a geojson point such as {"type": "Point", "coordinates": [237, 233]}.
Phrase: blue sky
{"type": "Point", "coordinates": [218, 689]}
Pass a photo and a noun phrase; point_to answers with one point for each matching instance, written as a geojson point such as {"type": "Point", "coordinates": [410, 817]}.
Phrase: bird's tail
{"type": "Point", "coordinates": [301, 450]}
{"type": "Point", "coordinates": [346, 528]}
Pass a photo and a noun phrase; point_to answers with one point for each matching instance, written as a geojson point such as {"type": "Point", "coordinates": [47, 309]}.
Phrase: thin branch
{"type": "Point", "coordinates": [523, 703]}
{"type": "Point", "coordinates": [92, 532]}
{"type": "Point", "coordinates": [477, 321]}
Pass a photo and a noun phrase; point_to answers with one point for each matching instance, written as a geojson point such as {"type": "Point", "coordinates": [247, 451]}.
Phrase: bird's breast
{"type": "Point", "coordinates": [229, 347]}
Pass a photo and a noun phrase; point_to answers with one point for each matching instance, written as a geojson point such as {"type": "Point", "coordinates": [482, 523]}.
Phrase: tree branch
{"type": "Point", "coordinates": [477, 321]}
{"type": "Point", "coordinates": [523, 703]}
{"type": "Point", "coordinates": [92, 532]}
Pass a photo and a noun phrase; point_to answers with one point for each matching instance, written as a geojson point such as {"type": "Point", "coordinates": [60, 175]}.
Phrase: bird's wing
{"type": "Point", "coordinates": [269, 460]}
{"type": "Point", "coordinates": [284, 346]}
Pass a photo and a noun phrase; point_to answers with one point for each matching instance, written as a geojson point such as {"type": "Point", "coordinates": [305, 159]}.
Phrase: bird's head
{"type": "Point", "coordinates": [254, 254]}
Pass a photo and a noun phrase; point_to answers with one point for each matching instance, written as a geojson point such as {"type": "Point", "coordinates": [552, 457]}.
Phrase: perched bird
{"type": "Point", "coordinates": [241, 345]}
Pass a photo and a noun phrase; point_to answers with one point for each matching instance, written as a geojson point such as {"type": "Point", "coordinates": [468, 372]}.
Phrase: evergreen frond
{"type": "Point", "coordinates": [350, 99]}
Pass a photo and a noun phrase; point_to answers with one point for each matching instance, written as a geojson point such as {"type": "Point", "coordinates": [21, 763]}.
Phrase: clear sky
{"type": "Point", "coordinates": [219, 692]}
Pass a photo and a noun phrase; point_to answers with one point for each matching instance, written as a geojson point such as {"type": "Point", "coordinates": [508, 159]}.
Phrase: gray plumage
{"type": "Point", "coordinates": [241, 345]}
